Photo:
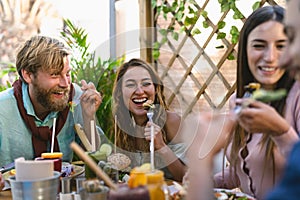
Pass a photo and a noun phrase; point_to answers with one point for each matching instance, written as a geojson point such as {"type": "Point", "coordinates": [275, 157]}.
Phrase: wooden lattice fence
{"type": "Point", "coordinates": [197, 74]}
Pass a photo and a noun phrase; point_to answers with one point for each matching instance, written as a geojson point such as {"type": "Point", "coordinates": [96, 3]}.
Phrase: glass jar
{"type": "Point", "coordinates": [157, 186]}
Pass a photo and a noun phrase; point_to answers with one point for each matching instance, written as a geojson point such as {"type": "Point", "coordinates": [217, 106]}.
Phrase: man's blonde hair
{"type": "Point", "coordinates": [41, 53]}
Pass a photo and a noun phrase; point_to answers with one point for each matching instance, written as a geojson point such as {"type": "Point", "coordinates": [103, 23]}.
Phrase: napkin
{"type": "Point", "coordinates": [29, 170]}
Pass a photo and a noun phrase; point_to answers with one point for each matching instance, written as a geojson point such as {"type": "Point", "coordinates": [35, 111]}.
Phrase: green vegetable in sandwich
{"type": "Point", "coordinates": [268, 95]}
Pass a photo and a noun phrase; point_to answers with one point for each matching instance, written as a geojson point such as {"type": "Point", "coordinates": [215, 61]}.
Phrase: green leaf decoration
{"type": "Point", "coordinates": [221, 24]}
{"type": "Point", "coordinates": [182, 29]}
{"type": "Point", "coordinates": [164, 32]}
{"type": "Point", "coordinates": [256, 5]}
{"type": "Point", "coordinates": [156, 45]}
{"type": "Point", "coordinates": [179, 15]}
{"type": "Point", "coordinates": [175, 36]}
{"type": "Point", "coordinates": [231, 57]}
{"type": "Point", "coordinates": [163, 40]}
{"type": "Point", "coordinates": [190, 21]}
{"type": "Point", "coordinates": [221, 35]}
{"type": "Point", "coordinates": [205, 24]}
{"type": "Point", "coordinates": [196, 31]}
{"type": "Point", "coordinates": [155, 54]}
{"type": "Point", "coordinates": [204, 13]}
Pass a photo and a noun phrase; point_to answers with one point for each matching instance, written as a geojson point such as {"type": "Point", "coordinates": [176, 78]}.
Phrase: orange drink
{"type": "Point", "coordinates": [156, 185]}
{"type": "Point", "coordinates": [137, 178]}
{"type": "Point", "coordinates": [154, 181]}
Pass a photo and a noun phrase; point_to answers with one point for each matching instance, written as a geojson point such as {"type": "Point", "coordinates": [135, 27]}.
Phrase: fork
{"type": "Point", "coordinates": [150, 114]}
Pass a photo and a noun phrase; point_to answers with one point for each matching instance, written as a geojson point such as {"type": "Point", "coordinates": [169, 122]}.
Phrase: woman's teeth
{"type": "Point", "coordinates": [139, 100]}
{"type": "Point", "coordinates": [268, 69]}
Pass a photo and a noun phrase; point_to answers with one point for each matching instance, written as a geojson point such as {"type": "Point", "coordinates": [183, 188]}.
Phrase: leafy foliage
{"type": "Point", "coordinates": [7, 69]}
{"type": "Point", "coordinates": [93, 69]}
{"type": "Point", "coordinates": [187, 13]}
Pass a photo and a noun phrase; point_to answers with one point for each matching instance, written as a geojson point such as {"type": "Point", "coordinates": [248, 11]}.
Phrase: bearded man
{"type": "Point", "coordinates": [40, 100]}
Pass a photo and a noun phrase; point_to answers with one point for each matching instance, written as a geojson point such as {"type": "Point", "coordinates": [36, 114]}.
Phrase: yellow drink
{"type": "Point", "coordinates": [153, 180]}
{"type": "Point", "coordinates": [156, 185]}
{"type": "Point", "coordinates": [137, 178]}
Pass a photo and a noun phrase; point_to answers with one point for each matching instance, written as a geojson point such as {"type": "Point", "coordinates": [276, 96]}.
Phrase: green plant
{"type": "Point", "coordinates": [86, 66]}
{"type": "Point", "coordinates": [7, 69]}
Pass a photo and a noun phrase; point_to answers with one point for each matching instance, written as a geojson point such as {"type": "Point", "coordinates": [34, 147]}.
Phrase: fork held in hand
{"type": "Point", "coordinates": [150, 116]}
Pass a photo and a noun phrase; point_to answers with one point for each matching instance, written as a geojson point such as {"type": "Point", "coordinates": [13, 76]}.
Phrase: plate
{"type": "Point", "coordinates": [78, 170]}
{"type": "Point", "coordinates": [234, 194]}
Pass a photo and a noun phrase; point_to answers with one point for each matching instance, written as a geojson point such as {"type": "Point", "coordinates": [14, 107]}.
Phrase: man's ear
{"type": "Point", "coordinates": [27, 76]}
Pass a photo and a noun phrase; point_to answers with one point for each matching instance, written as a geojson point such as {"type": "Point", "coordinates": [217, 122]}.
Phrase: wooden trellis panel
{"type": "Point", "coordinates": [197, 75]}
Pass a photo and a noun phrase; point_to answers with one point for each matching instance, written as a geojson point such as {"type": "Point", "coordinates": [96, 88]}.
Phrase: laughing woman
{"type": "Point", "coordinates": [137, 82]}
{"type": "Point", "coordinates": [266, 132]}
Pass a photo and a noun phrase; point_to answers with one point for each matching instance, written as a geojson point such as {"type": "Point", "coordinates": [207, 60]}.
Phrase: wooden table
{"type": "Point", "coordinates": [6, 195]}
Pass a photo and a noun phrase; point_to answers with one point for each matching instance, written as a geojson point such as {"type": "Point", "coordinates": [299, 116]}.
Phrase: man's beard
{"type": "Point", "coordinates": [44, 97]}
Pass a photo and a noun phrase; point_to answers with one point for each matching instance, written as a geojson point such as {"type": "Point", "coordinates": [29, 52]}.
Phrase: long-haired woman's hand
{"type": "Point", "coordinates": [158, 138]}
{"type": "Point", "coordinates": [259, 117]}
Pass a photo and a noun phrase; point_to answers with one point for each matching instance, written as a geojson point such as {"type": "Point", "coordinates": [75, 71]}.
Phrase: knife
{"type": "Point", "coordinates": [7, 167]}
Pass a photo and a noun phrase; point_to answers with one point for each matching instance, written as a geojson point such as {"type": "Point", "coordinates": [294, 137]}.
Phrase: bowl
{"type": "Point", "coordinates": [35, 190]}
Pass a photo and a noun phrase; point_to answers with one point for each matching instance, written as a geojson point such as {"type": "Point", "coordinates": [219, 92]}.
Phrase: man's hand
{"type": "Point", "coordinates": [90, 99]}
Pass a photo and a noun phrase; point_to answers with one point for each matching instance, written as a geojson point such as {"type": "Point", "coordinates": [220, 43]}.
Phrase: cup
{"type": "Point", "coordinates": [156, 185]}
{"type": "Point", "coordinates": [79, 183]}
{"type": "Point", "coordinates": [41, 189]}
{"type": "Point", "coordinates": [153, 180]}
{"type": "Point", "coordinates": [56, 157]}
{"type": "Point", "coordinates": [93, 189]}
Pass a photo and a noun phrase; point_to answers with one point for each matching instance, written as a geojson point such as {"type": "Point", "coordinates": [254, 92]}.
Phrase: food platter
{"type": "Point", "coordinates": [76, 169]}
{"type": "Point", "coordinates": [224, 194]}
{"type": "Point", "coordinates": [179, 193]}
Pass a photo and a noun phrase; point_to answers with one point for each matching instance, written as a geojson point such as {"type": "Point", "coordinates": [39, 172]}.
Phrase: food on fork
{"type": "Point", "coordinates": [252, 86]}
{"type": "Point", "coordinates": [148, 105]}
{"type": "Point", "coordinates": [255, 92]}
{"type": "Point", "coordinates": [269, 95]}
{"type": "Point", "coordinates": [260, 94]}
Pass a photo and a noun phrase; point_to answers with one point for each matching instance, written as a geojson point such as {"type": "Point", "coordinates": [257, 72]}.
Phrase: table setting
{"type": "Point", "coordinates": [50, 178]}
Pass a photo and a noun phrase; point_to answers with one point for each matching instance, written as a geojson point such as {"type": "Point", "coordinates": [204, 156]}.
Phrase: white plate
{"type": "Point", "coordinates": [237, 192]}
